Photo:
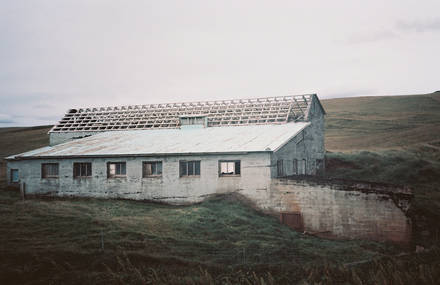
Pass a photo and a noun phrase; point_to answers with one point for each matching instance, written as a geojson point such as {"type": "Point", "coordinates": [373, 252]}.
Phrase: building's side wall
{"type": "Point", "coordinates": [308, 145]}
{"type": "Point", "coordinates": [253, 181]}
{"type": "Point", "coordinates": [57, 138]}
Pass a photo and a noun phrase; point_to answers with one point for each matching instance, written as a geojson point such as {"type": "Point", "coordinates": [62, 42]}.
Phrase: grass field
{"type": "Point", "coordinates": [114, 241]}
{"type": "Point", "coordinates": [223, 240]}
{"type": "Point", "coordinates": [379, 123]}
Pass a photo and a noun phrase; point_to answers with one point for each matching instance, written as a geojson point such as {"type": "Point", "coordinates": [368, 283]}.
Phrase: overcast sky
{"type": "Point", "coordinates": [60, 54]}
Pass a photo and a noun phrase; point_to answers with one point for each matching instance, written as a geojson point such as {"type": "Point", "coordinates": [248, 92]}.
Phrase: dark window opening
{"type": "Point", "coordinates": [82, 169]}
{"type": "Point", "coordinates": [295, 166]}
{"type": "Point", "coordinates": [116, 169]}
{"type": "Point", "coordinates": [303, 167]}
{"type": "Point", "coordinates": [49, 170]}
{"type": "Point", "coordinates": [229, 167]}
{"type": "Point", "coordinates": [152, 169]}
{"type": "Point", "coordinates": [319, 167]}
{"type": "Point", "coordinates": [189, 168]}
{"type": "Point", "coordinates": [14, 176]}
{"type": "Point", "coordinates": [280, 168]}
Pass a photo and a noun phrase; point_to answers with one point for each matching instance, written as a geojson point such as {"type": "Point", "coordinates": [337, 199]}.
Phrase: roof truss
{"type": "Point", "coordinates": [269, 110]}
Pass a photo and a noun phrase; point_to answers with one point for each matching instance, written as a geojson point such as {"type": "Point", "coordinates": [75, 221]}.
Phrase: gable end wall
{"type": "Point", "coordinates": [311, 148]}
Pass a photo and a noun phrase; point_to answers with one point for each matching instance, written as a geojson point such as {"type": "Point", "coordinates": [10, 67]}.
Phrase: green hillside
{"type": "Point", "coordinates": [79, 241]}
{"type": "Point", "coordinates": [386, 122]}
{"type": "Point", "coordinates": [20, 139]}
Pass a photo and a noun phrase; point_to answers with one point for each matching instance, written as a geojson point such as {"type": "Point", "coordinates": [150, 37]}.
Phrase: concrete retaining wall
{"type": "Point", "coordinates": [343, 211]}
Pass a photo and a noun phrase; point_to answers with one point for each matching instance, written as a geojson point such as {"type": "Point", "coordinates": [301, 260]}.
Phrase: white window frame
{"type": "Point", "coordinates": [234, 165]}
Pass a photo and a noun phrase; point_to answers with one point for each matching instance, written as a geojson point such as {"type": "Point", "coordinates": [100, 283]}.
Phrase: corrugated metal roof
{"type": "Point", "coordinates": [254, 138]}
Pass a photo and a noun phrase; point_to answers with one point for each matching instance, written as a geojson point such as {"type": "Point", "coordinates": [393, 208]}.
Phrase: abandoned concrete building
{"type": "Point", "coordinates": [185, 152]}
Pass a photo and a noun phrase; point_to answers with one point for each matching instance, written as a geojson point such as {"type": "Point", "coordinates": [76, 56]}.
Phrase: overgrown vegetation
{"type": "Point", "coordinates": [221, 241]}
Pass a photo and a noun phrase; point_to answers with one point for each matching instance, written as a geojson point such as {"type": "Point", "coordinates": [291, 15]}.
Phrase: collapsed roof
{"type": "Point", "coordinates": [269, 110]}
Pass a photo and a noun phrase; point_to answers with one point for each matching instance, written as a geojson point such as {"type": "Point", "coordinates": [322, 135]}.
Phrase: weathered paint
{"type": "Point", "coordinates": [255, 177]}
{"type": "Point", "coordinates": [174, 141]}
{"type": "Point", "coordinates": [307, 145]}
{"type": "Point", "coordinates": [330, 210]}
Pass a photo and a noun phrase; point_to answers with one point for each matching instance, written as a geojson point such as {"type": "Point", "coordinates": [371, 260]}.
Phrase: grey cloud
{"type": "Point", "coordinates": [371, 36]}
{"type": "Point", "coordinates": [419, 25]}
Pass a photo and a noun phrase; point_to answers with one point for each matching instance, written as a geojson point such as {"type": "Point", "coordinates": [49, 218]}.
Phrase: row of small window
{"type": "Point", "coordinates": [149, 169]}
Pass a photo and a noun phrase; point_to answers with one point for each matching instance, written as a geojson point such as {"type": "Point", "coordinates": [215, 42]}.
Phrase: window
{"type": "Point", "coordinates": [280, 168]}
{"type": "Point", "coordinates": [82, 169]}
{"type": "Point", "coordinates": [229, 168]}
{"type": "Point", "coordinates": [116, 169]}
{"type": "Point", "coordinates": [152, 169]}
{"type": "Point", "coordinates": [14, 176]}
{"type": "Point", "coordinates": [302, 167]}
{"type": "Point", "coordinates": [186, 121]}
{"type": "Point", "coordinates": [295, 166]}
{"type": "Point", "coordinates": [49, 170]}
{"type": "Point", "coordinates": [189, 168]}
{"type": "Point", "coordinates": [319, 167]}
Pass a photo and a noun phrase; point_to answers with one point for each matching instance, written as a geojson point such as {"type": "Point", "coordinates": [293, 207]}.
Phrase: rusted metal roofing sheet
{"type": "Point", "coordinates": [255, 138]}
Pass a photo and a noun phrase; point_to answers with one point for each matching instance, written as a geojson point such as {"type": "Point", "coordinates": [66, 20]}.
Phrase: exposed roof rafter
{"type": "Point", "coordinates": [268, 110]}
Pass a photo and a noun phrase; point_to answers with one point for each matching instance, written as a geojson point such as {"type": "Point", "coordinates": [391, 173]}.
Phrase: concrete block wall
{"type": "Point", "coordinates": [254, 178]}
{"type": "Point", "coordinates": [331, 211]}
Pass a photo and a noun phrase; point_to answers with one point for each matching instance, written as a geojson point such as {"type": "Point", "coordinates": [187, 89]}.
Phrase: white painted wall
{"type": "Point", "coordinates": [254, 178]}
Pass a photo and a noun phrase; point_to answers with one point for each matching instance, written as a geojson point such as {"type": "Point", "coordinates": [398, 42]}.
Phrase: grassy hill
{"type": "Point", "coordinates": [224, 241]}
{"type": "Point", "coordinates": [109, 241]}
{"type": "Point", "coordinates": [385, 122]}
{"type": "Point", "coordinates": [20, 139]}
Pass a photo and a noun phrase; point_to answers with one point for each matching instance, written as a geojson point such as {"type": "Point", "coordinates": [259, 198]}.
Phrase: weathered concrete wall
{"type": "Point", "coordinates": [308, 145]}
{"type": "Point", "coordinates": [340, 211]}
{"type": "Point", "coordinates": [57, 138]}
{"type": "Point", "coordinates": [254, 178]}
